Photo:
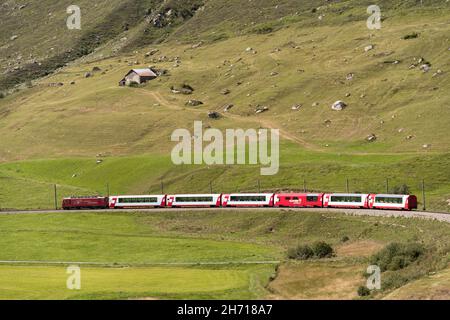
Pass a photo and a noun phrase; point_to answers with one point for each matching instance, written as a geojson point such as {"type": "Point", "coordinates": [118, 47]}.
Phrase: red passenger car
{"type": "Point", "coordinates": [299, 200]}
{"type": "Point", "coordinates": [85, 203]}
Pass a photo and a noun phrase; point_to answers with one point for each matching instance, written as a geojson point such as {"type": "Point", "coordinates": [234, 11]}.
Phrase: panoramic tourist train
{"type": "Point", "coordinates": [246, 200]}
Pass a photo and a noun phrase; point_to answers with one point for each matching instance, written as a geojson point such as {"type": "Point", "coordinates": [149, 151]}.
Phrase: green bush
{"type": "Point", "coordinates": [411, 36]}
{"type": "Point", "coordinates": [318, 250]}
{"type": "Point", "coordinates": [322, 250]}
{"type": "Point", "coordinates": [2, 95]}
{"type": "Point", "coordinates": [397, 256]}
{"type": "Point", "coordinates": [303, 252]}
{"type": "Point", "coordinates": [363, 291]}
{"type": "Point", "coordinates": [345, 239]}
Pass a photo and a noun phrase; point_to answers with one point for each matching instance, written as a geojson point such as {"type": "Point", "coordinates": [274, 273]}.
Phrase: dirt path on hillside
{"type": "Point", "coordinates": [265, 123]}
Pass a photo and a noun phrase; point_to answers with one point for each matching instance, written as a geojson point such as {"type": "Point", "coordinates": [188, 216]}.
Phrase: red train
{"type": "Point", "coordinates": [247, 200]}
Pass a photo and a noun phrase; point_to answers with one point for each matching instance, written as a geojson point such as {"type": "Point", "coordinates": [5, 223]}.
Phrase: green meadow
{"type": "Point", "coordinates": [202, 255]}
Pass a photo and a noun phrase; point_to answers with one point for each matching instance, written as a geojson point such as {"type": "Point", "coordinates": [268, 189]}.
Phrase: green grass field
{"type": "Point", "coordinates": [205, 255]}
{"type": "Point", "coordinates": [25, 282]}
{"type": "Point", "coordinates": [29, 184]}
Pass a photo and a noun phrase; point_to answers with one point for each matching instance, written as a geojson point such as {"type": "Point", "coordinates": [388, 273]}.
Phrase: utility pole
{"type": "Point", "coordinates": [259, 186]}
{"type": "Point", "coordinates": [162, 187]}
{"type": "Point", "coordinates": [210, 187]}
{"type": "Point", "coordinates": [387, 185]}
{"type": "Point", "coordinates": [423, 195]}
{"type": "Point", "coordinates": [347, 185]}
{"type": "Point", "coordinates": [56, 198]}
{"type": "Point", "coordinates": [304, 185]}
{"type": "Point", "coordinates": [107, 189]}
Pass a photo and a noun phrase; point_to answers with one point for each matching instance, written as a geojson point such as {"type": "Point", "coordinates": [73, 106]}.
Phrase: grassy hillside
{"type": "Point", "coordinates": [140, 241]}
{"type": "Point", "coordinates": [53, 134]}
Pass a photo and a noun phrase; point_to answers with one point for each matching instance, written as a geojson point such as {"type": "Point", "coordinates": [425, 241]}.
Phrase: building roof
{"type": "Point", "coordinates": [144, 72]}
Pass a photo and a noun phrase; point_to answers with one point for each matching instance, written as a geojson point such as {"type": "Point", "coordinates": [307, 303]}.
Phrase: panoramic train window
{"type": "Point", "coordinates": [248, 198]}
{"type": "Point", "coordinates": [395, 200]}
{"type": "Point", "coordinates": [346, 199]}
{"type": "Point", "coordinates": [138, 200]}
{"type": "Point", "coordinates": [194, 199]}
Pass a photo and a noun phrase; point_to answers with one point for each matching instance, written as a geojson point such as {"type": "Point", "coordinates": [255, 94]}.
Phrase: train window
{"type": "Point", "coordinates": [295, 198]}
{"type": "Point", "coordinates": [312, 198]}
{"type": "Point", "coordinates": [247, 198]}
{"type": "Point", "coordinates": [394, 200]}
{"type": "Point", "coordinates": [346, 199]}
{"type": "Point", "coordinates": [137, 200]}
{"type": "Point", "coordinates": [194, 199]}
{"type": "Point", "coordinates": [288, 198]}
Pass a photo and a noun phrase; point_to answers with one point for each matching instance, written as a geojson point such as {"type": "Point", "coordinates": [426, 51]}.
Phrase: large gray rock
{"type": "Point", "coordinates": [339, 106]}
{"type": "Point", "coordinates": [194, 103]}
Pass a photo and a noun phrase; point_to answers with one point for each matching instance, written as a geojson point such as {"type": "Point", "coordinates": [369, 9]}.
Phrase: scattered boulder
{"type": "Point", "coordinates": [227, 107]}
{"type": "Point", "coordinates": [273, 74]}
{"type": "Point", "coordinates": [13, 37]}
{"type": "Point", "coordinates": [296, 107]}
{"type": "Point", "coordinates": [213, 115]}
{"type": "Point", "coordinates": [88, 75]}
{"type": "Point", "coordinates": [327, 122]}
{"type": "Point", "coordinates": [437, 73]}
{"type": "Point", "coordinates": [409, 137]}
{"type": "Point", "coordinates": [185, 89]}
{"type": "Point", "coordinates": [369, 48]}
{"type": "Point", "coordinates": [225, 92]}
{"type": "Point", "coordinates": [197, 45]}
{"type": "Point", "coordinates": [371, 138]}
{"type": "Point", "coordinates": [426, 146]}
{"type": "Point", "coordinates": [339, 105]}
{"type": "Point", "coordinates": [315, 104]}
{"type": "Point", "coordinates": [261, 109]}
{"type": "Point", "coordinates": [194, 103]}
{"type": "Point", "coordinates": [350, 76]}
{"type": "Point", "coordinates": [96, 69]}
{"type": "Point", "coordinates": [425, 67]}
{"type": "Point", "coordinates": [151, 52]}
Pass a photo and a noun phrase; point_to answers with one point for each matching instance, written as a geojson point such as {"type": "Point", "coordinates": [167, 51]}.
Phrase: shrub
{"type": "Point", "coordinates": [345, 239]}
{"type": "Point", "coordinates": [397, 256]}
{"type": "Point", "coordinates": [322, 250]}
{"type": "Point", "coordinates": [302, 252]}
{"type": "Point", "coordinates": [2, 95]}
{"type": "Point", "coordinates": [363, 291]}
{"type": "Point", "coordinates": [411, 36]}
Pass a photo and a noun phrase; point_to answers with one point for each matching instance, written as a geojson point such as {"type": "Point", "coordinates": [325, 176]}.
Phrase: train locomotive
{"type": "Point", "coordinates": [246, 200]}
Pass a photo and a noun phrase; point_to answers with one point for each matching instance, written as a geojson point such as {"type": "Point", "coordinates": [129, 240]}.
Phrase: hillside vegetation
{"type": "Point", "coordinates": [158, 256]}
{"type": "Point", "coordinates": [265, 53]}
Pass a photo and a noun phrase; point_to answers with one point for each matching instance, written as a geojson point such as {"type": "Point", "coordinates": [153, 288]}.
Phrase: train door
{"type": "Point", "coordinates": [371, 201]}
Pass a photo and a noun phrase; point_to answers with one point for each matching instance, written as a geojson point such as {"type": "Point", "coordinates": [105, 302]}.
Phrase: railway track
{"type": "Point", "coordinates": [443, 217]}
